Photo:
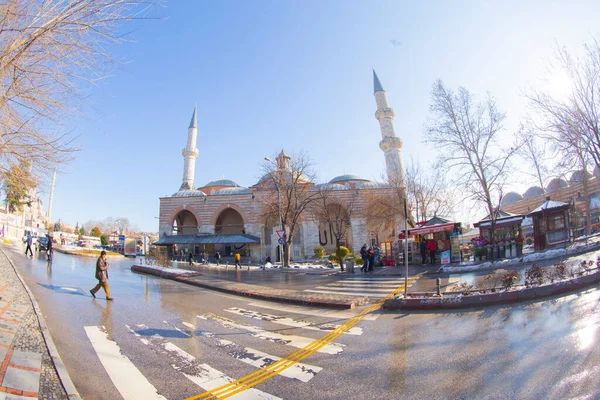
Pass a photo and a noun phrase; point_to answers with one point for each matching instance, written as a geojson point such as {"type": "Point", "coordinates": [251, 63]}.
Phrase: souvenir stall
{"type": "Point", "coordinates": [445, 235]}
{"type": "Point", "coordinates": [551, 224]}
{"type": "Point", "coordinates": [506, 231]}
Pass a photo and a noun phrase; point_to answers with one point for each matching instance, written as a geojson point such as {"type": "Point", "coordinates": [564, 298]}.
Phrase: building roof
{"type": "Point", "coordinates": [549, 205]}
{"type": "Point", "coordinates": [206, 239]}
{"type": "Point", "coordinates": [189, 193]}
{"type": "Point", "coordinates": [372, 185]}
{"type": "Point", "coordinates": [222, 182]}
{"type": "Point", "coordinates": [376, 84]}
{"type": "Point", "coordinates": [232, 190]}
{"type": "Point", "coordinates": [330, 186]}
{"type": "Point", "coordinates": [348, 177]}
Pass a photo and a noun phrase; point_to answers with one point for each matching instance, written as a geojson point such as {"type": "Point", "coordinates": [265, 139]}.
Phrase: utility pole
{"type": "Point", "coordinates": [51, 195]}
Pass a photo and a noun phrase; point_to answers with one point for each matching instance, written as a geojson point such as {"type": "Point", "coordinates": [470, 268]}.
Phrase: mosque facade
{"type": "Point", "coordinates": [226, 217]}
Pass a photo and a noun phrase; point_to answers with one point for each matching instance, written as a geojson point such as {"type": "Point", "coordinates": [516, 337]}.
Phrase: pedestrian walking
{"type": "Point", "coordinates": [218, 257]}
{"type": "Point", "coordinates": [267, 263]}
{"type": "Point", "coordinates": [237, 259]}
{"type": "Point", "coordinates": [423, 248]}
{"type": "Point", "coordinates": [364, 254]}
{"type": "Point", "coordinates": [29, 240]}
{"type": "Point", "coordinates": [431, 247]}
{"type": "Point", "coordinates": [49, 247]}
{"type": "Point", "coordinates": [102, 276]}
{"type": "Point", "coordinates": [371, 259]}
{"type": "Point", "coordinates": [190, 258]}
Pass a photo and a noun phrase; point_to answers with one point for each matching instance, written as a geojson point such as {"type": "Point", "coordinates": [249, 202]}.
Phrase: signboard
{"type": "Point", "coordinates": [445, 257]}
{"type": "Point", "coordinates": [281, 233]}
{"type": "Point", "coordinates": [455, 248]}
{"type": "Point", "coordinates": [281, 241]}
{"type": "Point", "coordinates": [129, 249]}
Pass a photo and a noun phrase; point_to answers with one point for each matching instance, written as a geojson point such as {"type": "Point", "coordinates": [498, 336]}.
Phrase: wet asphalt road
{"type": "Point", "coordinates": [538, 350]}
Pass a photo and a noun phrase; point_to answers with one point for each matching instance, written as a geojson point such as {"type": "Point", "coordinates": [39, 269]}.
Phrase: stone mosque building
{"type": "Point", "coordinates": [223, 216]}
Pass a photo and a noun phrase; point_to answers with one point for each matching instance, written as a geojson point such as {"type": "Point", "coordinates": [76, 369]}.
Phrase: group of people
{"type": "Point", "coordinates": [368, 257]}
{"type": "Point", "coordinates": [203, 257]}
{"type": "Point", "coordinates": [29, 241]}
{"type": "Point", "coordinates": [428, 246]}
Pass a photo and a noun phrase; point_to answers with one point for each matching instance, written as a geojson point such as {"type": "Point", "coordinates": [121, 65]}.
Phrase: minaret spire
{"type": "Point", "coordinates": [390, 143]}
{"type": "Point", "coordinates": [190, 152]}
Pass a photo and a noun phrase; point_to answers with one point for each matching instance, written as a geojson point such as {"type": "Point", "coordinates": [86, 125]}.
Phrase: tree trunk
{"type": "Point", "coordinates": [586, 200]}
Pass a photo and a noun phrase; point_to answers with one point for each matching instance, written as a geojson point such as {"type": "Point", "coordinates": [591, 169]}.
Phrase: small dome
{"type": "Point", "coordinates": [532, 192]}
{"type": "Point", "coordinates": [577, 177]}
{"type": "Point", "coordinates": [556, 184]}
{"type": "Point", "coordinates": [343, 178]}
{"type": "Point", "coordinates": [511, 198]}
{"type": "Point", "coordinates": [232, 190]}
{"type": "Point", "coordinates": [287, 175]}
{"type": "Point", "coordinates": [189, 193]}
{"type": "Point", "coordinates": [372, 185]}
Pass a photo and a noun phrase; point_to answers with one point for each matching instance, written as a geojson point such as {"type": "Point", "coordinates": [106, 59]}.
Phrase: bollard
{"type": "Point", "coordinates": [248, 266]}
{"type": "Point", "coordinates": [438, 283]}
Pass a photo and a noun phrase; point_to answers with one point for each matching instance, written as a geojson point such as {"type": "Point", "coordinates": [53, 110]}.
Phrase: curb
{"type": "Point", "coordinates": [184, 278]}
{"type": "Point", "coordinates": [59, 366]}
{"type": "Point", "coordinates": [482, 300]}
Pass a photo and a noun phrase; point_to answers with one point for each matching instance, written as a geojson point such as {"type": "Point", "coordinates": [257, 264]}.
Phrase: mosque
{"type": "Point", "coordinates": [225, 217]}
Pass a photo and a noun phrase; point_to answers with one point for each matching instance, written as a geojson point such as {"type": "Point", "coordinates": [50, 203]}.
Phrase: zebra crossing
{"type": "Point", "coordinates": [372, 287]}
{"type": "Point", "coordinates": [232, 334]}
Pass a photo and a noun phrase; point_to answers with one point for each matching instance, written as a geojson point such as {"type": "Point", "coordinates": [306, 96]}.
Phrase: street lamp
{"type": "Point", "coordinates": [278, 211]}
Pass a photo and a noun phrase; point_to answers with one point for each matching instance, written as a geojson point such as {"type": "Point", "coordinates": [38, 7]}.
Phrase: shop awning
{"type": "Point", "coordinates": [207, 239]}
{"type": "Point", "coordinates": [432, 229]}
{"type": "Point", "coordinates": [501, 223]}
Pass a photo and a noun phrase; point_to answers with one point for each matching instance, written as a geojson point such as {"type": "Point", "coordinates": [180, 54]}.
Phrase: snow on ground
{"type": "Point", "coordinates": [583, 244]}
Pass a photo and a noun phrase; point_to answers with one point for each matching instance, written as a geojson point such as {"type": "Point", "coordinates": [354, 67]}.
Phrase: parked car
{"type": "Point", "coordinates": [42, 243]}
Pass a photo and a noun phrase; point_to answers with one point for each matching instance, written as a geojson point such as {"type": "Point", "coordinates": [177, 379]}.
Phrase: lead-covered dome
{"type": "Point", "coordinates": [577, 176]}
{"type": "Point", "coordinates": [532, 192]}
{"type": "Point", "coordinates": [189, 193]}
{"type": "Point", "coordinates": [511, 198]}
{"type": "Point", "coordinates": [222, 182]}
{"type": "Point", "coordinates": [346, 178]}
{"type": "Point", "coordinates": [556, 184]}
{"type": "Point", "coordinates": [232, 190]}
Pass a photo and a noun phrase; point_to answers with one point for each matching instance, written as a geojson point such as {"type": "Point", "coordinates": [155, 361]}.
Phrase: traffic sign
{"type": "Point", "coordinates": [281, 241]}
{"type": "Point", "coordinates": [281, 233]}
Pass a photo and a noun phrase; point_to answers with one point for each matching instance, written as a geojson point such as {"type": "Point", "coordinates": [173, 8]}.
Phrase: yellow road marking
{"type": "Point", "coordinates": [263, 374]}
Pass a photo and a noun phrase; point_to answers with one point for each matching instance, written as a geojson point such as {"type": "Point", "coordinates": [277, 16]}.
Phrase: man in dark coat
{"type": "Point", "coordinates": [371, 259]}
{"type": "Point", "coordinates": [423, 248]}
{"type": "Point", "coordinates": [364, 254]}
{"type": "Point", "coordinates": [102, 276]}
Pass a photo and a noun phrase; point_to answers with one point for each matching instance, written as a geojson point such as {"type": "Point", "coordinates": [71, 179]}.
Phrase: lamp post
{"type": "Point", "coordinates": [278, 210]}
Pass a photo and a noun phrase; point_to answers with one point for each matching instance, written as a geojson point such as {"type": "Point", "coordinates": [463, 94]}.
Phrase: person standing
{"type": "Point", "coordinates": [218, 257]}
{"type": "Point", "coordinates": [102, 276]}
{"type": "Point", "coordinates": [431, 247]}
{"type": "Point", "coordinates": [371, 256]}
{"type": "Point", "coordinates": [49, 247]}
{"type": "Point", "coordinates": [237, 259]}
{"type": "Point", "coordinates": [29, 240]}
{"type": "Point", "coordinates": [190, 258]}
{"type": "Point", "coordinates": [364, 254]}
{"type": "Point", "coordinates": [423, 248]}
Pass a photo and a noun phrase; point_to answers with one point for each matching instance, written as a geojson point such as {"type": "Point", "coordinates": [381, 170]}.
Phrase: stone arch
{"type": "Point", "coordinates": [229, 221]}
{"type": "Point", "coordinates": [223, 207]}
{"type": "Point", "coordinates": [187, 220]}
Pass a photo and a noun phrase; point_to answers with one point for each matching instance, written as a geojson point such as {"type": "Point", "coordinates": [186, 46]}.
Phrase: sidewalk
{"type": "Point", "coordinates": [31, 366]}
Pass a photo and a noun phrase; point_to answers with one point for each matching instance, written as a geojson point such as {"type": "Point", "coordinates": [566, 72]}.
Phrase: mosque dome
{"type": "Point", "coordinates": [222, 182]}
{"type": "Point", "coordinates": [345, 178]}
{"type": "Point", "coordinates": [511, 198]}
{"type": "Point", "coordinates": [287, 175]}
{"type": "Point", "coordinates": [232, 190]}
{"type": "Point", "coordinates": [577, 176]}
{"type": "Point", "coordinates": [556, 184]}
{"type": "Point", "coordinates": [532, 192]}
{"type": "Point", "coordinates": [189, 193]}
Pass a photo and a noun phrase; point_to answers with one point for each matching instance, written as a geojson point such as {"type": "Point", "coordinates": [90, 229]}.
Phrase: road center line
{"type": "Point", "coordinates": [262, 375]}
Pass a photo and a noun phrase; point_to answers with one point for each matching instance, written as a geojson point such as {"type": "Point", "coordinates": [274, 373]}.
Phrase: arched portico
{"type": "Point", "coordinates": [184, 221]}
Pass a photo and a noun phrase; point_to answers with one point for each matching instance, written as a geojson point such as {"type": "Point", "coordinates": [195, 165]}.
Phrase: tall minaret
{"type": "Point", "coordinates": [390, 143]}
{"type": "Point", "coordinates": [190, 152]}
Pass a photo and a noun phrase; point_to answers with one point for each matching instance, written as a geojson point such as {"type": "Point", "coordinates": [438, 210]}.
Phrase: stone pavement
{"type": "Point", "coordinates": [30, 363]}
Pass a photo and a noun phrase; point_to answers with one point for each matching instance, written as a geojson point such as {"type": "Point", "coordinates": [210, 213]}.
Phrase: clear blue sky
{"type": "Point", "coordinates": [297, 75]}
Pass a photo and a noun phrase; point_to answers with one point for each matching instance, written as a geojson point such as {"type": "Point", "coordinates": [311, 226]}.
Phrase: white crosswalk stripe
{"type": "Point", "coordinates": [372, 287]}
{"type": "Point", "coordinates": [291, 322]}
{"type": "Point", "coordinates": [289, 340]}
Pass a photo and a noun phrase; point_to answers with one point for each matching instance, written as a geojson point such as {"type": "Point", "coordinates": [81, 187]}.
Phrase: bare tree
{"type": "Point", "coordinates": [336, 208]}
{"type": "Point", "coordinates": [289, 182]}
{"type": "Point", "coordinates": [533, 152]}
{"type": "Point", "coordinates": [428, 192]}
{"type": "Point", "coordinates": [468, 133]}
{"type": "Point", "coordinates": [48, 50]}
